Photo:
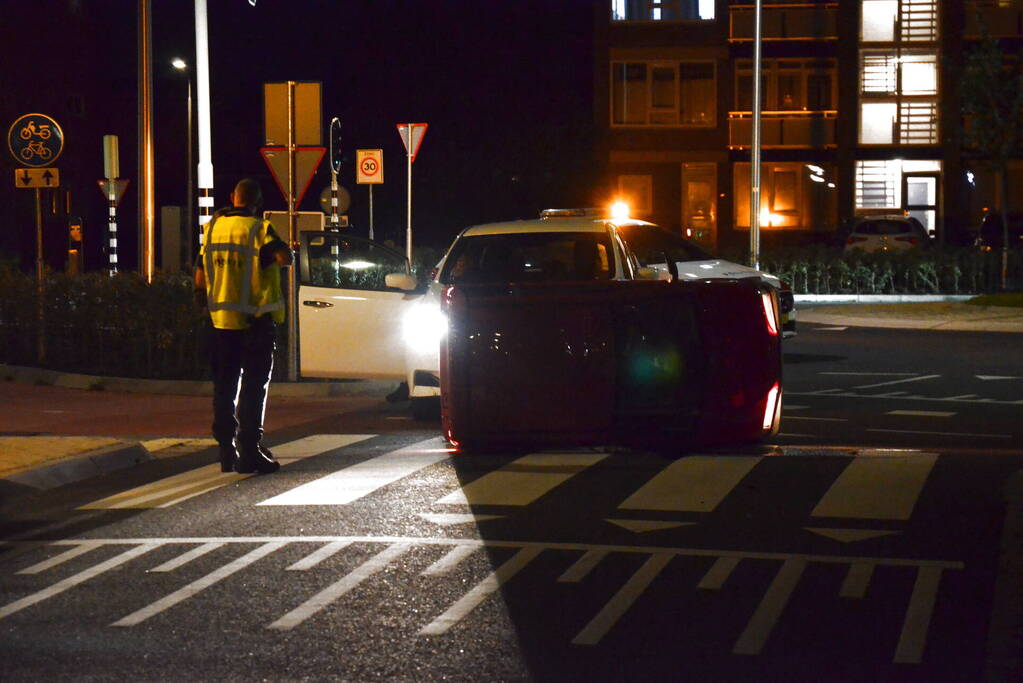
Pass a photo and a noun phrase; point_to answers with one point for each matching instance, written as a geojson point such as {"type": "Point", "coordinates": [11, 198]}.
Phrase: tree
{"type": "Point", "coordinates": [992, 96]}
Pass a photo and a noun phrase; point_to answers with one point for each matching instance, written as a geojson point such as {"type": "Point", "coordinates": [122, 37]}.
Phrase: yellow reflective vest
{"type": "Point", "coordinates": [237, 289]}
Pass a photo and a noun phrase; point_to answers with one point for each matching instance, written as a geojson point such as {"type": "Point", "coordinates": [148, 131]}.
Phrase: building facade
{"type": "Point", "coordinates": [860, 114]}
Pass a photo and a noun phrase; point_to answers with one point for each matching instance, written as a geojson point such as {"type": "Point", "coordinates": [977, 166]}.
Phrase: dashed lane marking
{"type": "Point", "coordinates": [923, 432]}
{"type": "Point", "coordinates": [920, 413]}
{"type": "Point", "coordinates": [897, 381]}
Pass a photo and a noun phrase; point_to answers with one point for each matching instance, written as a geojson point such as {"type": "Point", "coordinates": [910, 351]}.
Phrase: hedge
{"type": "Point", "coordinates": [120, 326]}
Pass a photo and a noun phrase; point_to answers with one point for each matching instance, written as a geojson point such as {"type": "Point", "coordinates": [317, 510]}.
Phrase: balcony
{"type": "Point", "coordinates": [783, 129]}
{"type": "Point", "coordinates": [785, 22]}
{"type": "Point", "coordinates": [1002, 19]}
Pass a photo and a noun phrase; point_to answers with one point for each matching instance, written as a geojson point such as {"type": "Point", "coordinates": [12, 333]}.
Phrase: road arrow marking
{"type": "Point", "coordinates": [850, 535]}
{"type": "Point", "coordinates": [641, 526]}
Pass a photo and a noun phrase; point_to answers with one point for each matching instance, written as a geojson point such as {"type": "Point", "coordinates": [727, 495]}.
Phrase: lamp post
{"type": "Point", "coordinates": [182, 66]}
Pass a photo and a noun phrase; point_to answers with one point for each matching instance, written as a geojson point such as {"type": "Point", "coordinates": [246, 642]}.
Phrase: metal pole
{"type": "Point", "coordinates": [754, 220]}
{"type": "Point", "coordinates": [204, 170]}
{"type": "Point", "coordinates": [112, 223]}
{"type": "Point", "coordinates": [40, 280]}
{"type": "Point", "coordinates": [371, 211]}
{"type": "Point", "coordinates": [333, 199]}
{"type": "Point", "coordinates": [292, 313]}
{"type": "Point", "coordinates": [147, 210]}
{"type": "Point", "coordinates": [191, 182]}
{"type": "Point", "coordinates": [408, 231]}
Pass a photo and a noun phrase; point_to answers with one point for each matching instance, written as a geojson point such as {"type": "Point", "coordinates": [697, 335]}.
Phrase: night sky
{"type": "Point", "coordinates": [505, 86]}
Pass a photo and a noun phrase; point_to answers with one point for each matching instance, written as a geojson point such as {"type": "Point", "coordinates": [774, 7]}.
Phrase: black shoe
{"type": "Point", "coordinates": [258, 459]}
{"type": "Point", "coordinates": [228, 456]}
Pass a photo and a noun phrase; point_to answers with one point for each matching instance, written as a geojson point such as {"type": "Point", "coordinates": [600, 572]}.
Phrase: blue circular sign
{"type": "Point", "coordinates": [35, 140]}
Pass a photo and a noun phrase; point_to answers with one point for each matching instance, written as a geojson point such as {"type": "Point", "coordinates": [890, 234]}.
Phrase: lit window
{"type": "Point", "coordinates": [659, 94]}
{"type": "Point", "coordinates": [662, 10]}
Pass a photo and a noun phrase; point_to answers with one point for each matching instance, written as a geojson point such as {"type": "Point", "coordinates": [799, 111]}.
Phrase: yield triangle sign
{"type": "Point", "coordinates": [418, 130]}
{"type": "Point", "coordinates": [120, 185]}
{"type": "Point", "coordinates": [307, 160]}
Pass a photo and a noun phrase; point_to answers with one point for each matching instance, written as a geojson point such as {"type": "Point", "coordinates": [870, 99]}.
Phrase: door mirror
{"type": "Point", "coordinates": [402, 281]}
{"type": "Point", "coordinates": [648, 273]}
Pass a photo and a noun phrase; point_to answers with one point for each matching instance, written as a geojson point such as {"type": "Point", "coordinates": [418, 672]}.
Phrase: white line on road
{"type": "Point", "coordinates": [583, 566]}
{"type": "Point", "coordinates": [897, 381]}
{"type": "Point", "coordinates": [920, 413]}
{"type": "Point", "coordinates": [59, 559]}
{"type": "Point", "coordinates": [334, 591]}
{"type": "Point", "coordinates": [697, 483]}
{"type": "Point", "coordinates": [760, 625]}
{"type": "Point", "coordinates": [317, 556]}
{"type": "Point", "coordinates": [718, 573]}
{"type": "Point", "coordinates": [186, 557]}
{"type": "Point", "coordinates": [918, 616]}
{"type": "Point", "coordinates": [873, 374]}
{"type": "Point", "coordinates": [910, 431]}
{"type": "Point", "coordinates": [877, 488]}
{"type": "Point", "coordinates": [450, 560]}
{"type": "Point", "coordinates": [817, 419]}
{"type": "Point", "coordinates": [182, 594]}
{"type": "Point", "coordinates": [477, 595]}
{"type": "Point", "coordinates": [857, 580]}
{"type": "Point", "coordinates": [622, 600]}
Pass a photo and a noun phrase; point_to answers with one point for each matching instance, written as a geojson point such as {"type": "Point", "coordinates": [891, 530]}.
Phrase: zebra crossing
{"type": "Point", "coordinates": [576, 563]}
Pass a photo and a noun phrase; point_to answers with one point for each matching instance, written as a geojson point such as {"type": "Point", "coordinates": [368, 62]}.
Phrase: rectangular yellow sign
{"type": "Point", "coordinates": [36, 177]}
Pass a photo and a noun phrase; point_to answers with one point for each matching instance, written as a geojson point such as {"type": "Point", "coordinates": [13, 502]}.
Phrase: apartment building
{"type": "Point", "coordinates": [860, 114]}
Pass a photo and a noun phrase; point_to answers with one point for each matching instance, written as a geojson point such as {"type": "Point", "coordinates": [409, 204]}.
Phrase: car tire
{"type": "Point", "coordinates": [426, 409]}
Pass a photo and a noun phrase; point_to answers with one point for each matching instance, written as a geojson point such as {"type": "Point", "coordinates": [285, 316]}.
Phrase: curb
{"type": "Point", "coordinates": [82, 466]}
{"type": "Point", "coordinates": [68, 380]}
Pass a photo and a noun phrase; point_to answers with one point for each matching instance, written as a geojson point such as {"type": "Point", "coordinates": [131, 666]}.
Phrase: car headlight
{"type": "Point", "coordinates": [423, 328]}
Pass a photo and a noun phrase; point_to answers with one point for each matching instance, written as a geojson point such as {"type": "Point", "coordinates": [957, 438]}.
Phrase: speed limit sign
{"type": "Point", "coordinates": [369, 165]}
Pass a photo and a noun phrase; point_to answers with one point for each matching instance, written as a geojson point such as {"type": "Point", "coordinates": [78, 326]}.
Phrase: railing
{"type": "Point", "coordinates": [785, 22]}
{"type": "Point", "coordinates": [806, 129]}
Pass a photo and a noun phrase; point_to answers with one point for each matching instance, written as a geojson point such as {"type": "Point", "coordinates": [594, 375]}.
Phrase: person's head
{"type": "Point", "coordinates": [247, 194]}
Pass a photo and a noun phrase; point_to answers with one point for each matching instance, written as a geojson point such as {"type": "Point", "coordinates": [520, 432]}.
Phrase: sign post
{"type": "Point", "coordinates": [411, 136]}
{"type": "Point", "coordinates": [36, 140]}
{"type": "Point", "coordinates": [111, 171]}
{"type": "Point", "coordinates": [291, 114]}
{"type": "Point", "coordinates": [335, 168]}
{"type": "Point", "coordinates": [369, 170]}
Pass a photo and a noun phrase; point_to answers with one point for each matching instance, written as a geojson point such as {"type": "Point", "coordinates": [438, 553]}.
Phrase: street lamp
{"type": "Point", "coordinates": [182, 66]}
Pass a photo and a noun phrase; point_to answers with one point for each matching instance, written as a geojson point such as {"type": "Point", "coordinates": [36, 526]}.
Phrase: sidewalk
{"type": "Point", "coordinates": [57, 428]}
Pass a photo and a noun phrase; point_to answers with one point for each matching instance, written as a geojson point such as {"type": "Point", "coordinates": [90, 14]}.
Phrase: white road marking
{"type": "Point", "coordinates": [334, 591]}
{"type": "Point", "coordinates": [622, 600]}
{"type": "Point", "coordinates": [918, 616]}
{"type": "Point", "coordinates": [718, 573]}
{"type": "Point", "coordinates": [583, 566]}
{"type": "Point", "coordinates": [522, 481]}
{"type": "Point", "coordinates": [451, 519]}
{"type": "Point", "coordinates": [877, 488]}
{"type": "Point", "coordinates": [838, 393]}
{"type": "Point", "coordinates": [642, 526]}
{"type": "Point", "coordinates": [873, 374]}
{"type": "Point", "coordinates": [69, 554]}
{"type": "Point", "coordinates": [78, 578]}
{"type": "Point", "coordinates": [319, 555]}
{"type": "Point", "coordinates": [477, 595]}
{"type": "Point", "coordinates": [920, 413]}
{"type": "Point", "coordinates": [897, 381]}
{"type": "Point", "coordinates": [833, 329]}
{"type": "Point", "coordinates": [187, 557]}
{"type": "Point", "coordinates": [352, 483]}
{"type": "Point", "coordinates": [789, 406]}
{"type": "Point", "coordinates": [760, 625]}
{"type": "Point", "coordinates": [450, 560]}
{"type": "Point", "coordinates": [857, 580]}
{"type": "Point", "coordinates": [817, 419]}
{"type": "Point", "coordinates": [850, 535]}
{"type": "Point", "coordinates": [182, 594]}
{"type": "Point", "coordinates": [991, 377]}
{"type": "Point", "coordinates": [696, 483]}
{"type": "Point", "coordinates": [911, 431]}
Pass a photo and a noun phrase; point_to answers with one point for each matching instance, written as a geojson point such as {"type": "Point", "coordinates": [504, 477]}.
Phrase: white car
{"type": "Point", "coordinates": [362, 316]}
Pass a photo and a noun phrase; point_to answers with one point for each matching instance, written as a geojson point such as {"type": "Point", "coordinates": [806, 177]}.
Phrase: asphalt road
{"type": "Point", "coordinates": [835, 553]}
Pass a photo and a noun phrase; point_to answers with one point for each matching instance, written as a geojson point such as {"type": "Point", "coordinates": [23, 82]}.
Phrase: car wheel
{"type": "Point", "coordinates": [426, 409]}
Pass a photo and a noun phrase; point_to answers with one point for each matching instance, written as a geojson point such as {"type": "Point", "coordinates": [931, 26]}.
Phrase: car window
{"type": "Point", "coordinates": [529, 257]}
{"type": "Point", "coordinates": [650, 243]}
{"type": "Point", "coordinates": [867, 228]}
{"type": "Point", "coordinates": [349, 263]}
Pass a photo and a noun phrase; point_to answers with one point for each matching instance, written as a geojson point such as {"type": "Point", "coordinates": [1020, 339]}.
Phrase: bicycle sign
{"type": "Point", "coordinates": [35, 140]}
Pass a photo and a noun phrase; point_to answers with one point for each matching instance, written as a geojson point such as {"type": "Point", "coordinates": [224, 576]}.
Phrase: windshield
{"type": "Point", "coordinates": [650, 243]}
{"type": "Point", "coordinates": [529, 257]}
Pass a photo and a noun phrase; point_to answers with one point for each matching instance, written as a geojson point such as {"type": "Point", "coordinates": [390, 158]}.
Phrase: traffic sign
{"type": "Point", "coordinates": [120, 185]}
{"type": "Point", "coordinates": [36, 177]}
{"type": "Point", "coordinates": [344, 200]}
{"type": "Point", "coordinates": [35, 140]}
{"type": "Point", "coordinates": [369, 166]}
{"type": "Point", "coordinates": [307, 160]}
{"type": "Point", "coordinates": [418, 131]}
{"type": "Point", "coordinates": [335, 144]}
{"type": "Point", "coordinates": [307, 113]}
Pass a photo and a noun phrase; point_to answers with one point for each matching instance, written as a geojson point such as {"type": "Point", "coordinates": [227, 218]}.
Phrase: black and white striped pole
{"type": "Point", "coordinates": [335, 168]}
{"type": "Point", "coordinates": [111, 170]}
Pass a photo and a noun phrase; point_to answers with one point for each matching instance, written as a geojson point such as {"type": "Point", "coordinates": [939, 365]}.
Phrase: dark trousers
{"type": "Point", "coordinates": [245, 357]}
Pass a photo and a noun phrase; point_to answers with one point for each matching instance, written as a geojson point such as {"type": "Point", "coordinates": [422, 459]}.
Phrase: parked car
{"type": "Point", "coordinates": [886, 233]}
{"type": "Point", "coordinates": [989, 235]}
{"type": "Point", "coordinates": [362, 315]}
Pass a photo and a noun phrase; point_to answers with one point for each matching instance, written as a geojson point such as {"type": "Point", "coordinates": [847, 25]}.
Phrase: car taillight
{"type": "Point", "coordinates": [770, 314]}
{"type": "Point", "coordinates": [853, 239]}
{"type": "Point", "coordinates": [770, 406]}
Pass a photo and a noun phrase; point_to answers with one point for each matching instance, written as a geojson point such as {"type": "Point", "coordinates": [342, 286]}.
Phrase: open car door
{"type": "Point", "coordinates": [349, 320]}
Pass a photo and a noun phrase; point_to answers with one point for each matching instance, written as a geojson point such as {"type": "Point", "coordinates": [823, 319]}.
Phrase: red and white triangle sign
{"type": "Point", "coordinates": [307, 160]}
{"type": "Point", "coordinates": [418, 130]}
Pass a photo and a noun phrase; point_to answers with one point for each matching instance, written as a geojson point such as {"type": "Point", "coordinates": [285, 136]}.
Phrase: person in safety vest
{"type": "Point", "coordinates": [239, 277]}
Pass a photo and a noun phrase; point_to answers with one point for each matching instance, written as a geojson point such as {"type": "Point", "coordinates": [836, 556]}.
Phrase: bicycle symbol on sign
{"type": "Point", "coordinates": [35, 148]}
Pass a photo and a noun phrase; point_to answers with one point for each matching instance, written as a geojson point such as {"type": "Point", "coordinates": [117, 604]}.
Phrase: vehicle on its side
{"type": "Point", "coordinates": [886, 233]}
{"type": "Point", "coordinates": [362, 314]}
{"type": "Point", "coordinates": [990, 235]}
